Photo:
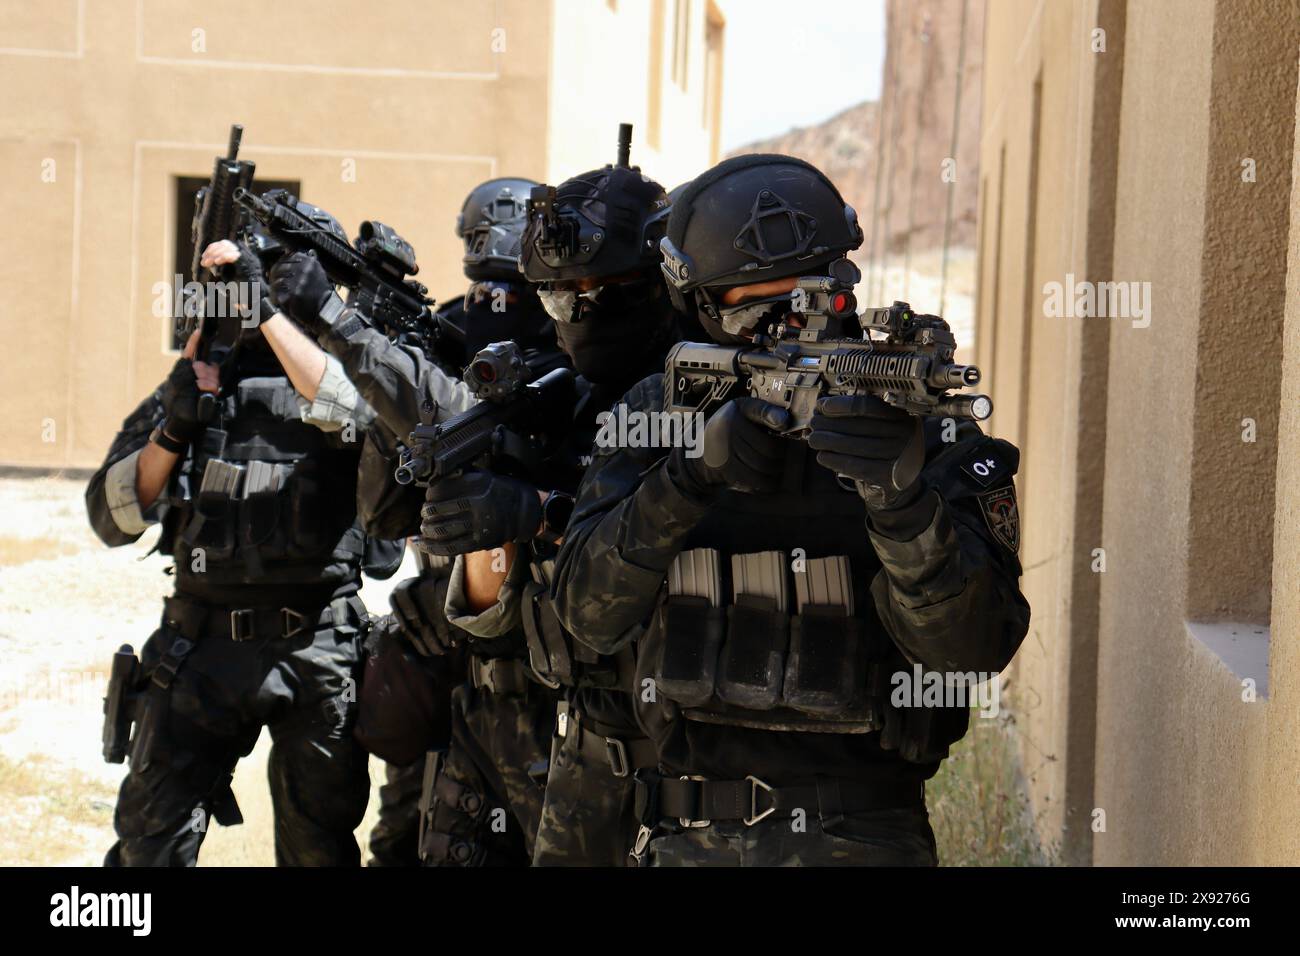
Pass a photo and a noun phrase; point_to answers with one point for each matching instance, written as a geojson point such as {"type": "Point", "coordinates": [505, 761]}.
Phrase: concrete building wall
{"type": "Point", "coordinates": [390, 111]}
{"type": "Point", "coordinates": [652, 63]}
{"type": "Point", "coordinates": [1128, 164]}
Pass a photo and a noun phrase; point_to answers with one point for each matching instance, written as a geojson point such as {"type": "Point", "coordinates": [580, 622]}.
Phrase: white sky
{"type": "Point", "coordinates": [788, 64]}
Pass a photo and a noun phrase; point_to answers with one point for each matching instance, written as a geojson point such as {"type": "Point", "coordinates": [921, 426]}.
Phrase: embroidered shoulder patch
{"type": "Point", "coordinates": [1002, 515]}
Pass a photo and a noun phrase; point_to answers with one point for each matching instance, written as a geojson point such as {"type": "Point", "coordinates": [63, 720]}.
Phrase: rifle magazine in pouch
{"type": "Point", "coordinates": [826, 673]}
{"type": "Point", "coordinates": [212, 524]}
{"type": "Point", "coordinates": [692, 626]}
{"type": "Point", "coordinates": [752, 666]}
{"type": "Point", "coordinates": [261, 531]}
{"type": "Point", "coordinates": [688, 663]}
{"type": "Point", "coordinates": [751, 669]}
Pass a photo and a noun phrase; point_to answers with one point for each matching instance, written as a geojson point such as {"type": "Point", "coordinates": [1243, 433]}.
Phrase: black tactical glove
{"type": "Point", "coordinates": [880, 447]}
{"type": "Point", "coordinates": [418, 613]}
{"type": "Point", "coordinates": [180, 399]}
{"type": "Point", "coordinates": [300, 288]}
{"type": "Point", "coordinates": [252, 302]}
{"type": "Point", "coordinates": [476, 511]}
{"type": "Point", "coordinates": [739, 449]}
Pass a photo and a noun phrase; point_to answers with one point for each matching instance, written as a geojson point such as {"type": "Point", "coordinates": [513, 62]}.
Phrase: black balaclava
{"type": "Point", "coordinates": [477, 324]}
{"type": "Point", "coordinates": [616, 337]}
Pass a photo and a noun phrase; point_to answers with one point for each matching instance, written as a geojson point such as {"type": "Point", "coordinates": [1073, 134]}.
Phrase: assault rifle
{"type": "Point", "coordinates": [526, 408]}
{"type": "Point", "coordinates": [216, 217]}
{"type": "Point", "coordinates": [911, 368]}
{"type": "Point", "coordinates": [376, 269]}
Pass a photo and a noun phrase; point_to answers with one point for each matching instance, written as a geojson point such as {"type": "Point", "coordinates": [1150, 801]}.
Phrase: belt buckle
{"type": "Point", "coordinates": [617, 754]}
{"type": "Point", "coordinates": [292, 622]}
{"type": "Point", "coordinates": [243, 624]}
{"type": "Point", "coordinates": [754, 786]}
{"type": "Point", "coordinates": [687, 821]}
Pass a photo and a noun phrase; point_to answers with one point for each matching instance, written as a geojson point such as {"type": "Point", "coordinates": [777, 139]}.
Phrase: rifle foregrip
{"type": "Point", "coordinates": [458, 447]}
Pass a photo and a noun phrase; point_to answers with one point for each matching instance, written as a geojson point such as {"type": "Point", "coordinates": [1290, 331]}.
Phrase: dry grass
{"type": "Point", "coordinates": [978, 804]}
{"type": "Point", "coordinates": [52, 814]}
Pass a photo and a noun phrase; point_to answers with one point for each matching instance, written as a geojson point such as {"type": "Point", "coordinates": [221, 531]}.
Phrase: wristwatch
{"type": "Point", "coordinates": [557, 509]}
{"type": "Point", "coordinates": [160, 438]}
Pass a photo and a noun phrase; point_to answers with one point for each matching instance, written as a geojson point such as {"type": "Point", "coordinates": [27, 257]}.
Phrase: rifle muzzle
{"type": "Point", "coordinates": [409, 471]}
{"type": "Point", "coordinates": [958, 376]}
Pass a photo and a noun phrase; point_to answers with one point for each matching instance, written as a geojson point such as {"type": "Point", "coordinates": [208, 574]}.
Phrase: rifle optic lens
{"type": "Point", "coordinates": [485, 372]}
{"type": "Point", "coordinates": [843, 304]}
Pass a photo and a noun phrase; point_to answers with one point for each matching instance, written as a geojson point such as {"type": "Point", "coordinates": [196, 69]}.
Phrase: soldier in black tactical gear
{"type": "Point", "coordinates": [592, 249]}
{"type": "Point", "coordinates": [771, 587]}
{"type": "Point", "coordinates": [498, 306]}
{"type": "Point", "coordinates": [258, 509]}
{"type": "Point", "coordinates": [494, 308]}
{"type": "Point", "coordinates": [490, 778]}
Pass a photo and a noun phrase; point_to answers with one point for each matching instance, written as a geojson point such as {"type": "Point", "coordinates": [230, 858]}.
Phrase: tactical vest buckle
{"type": "Point", "coordinates": [754, 786]}
{"type": "Point", "coordinates": [687, 821]}
{"type": "Point", "coordinates": [293, 622]}
{"type": "Point", "coordinates": [243, 624]}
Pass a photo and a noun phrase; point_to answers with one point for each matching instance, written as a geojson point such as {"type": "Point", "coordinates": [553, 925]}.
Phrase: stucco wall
{"type": "Point", "coordinates": [1039, 203]}
{"type": "Point", "coordinates": [1129, 691]}
{"type": "Point", "coordinates": [411, 93]}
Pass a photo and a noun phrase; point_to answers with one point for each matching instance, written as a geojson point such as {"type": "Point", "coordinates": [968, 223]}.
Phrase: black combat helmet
{"type": "Point", "coordinates": [602, 224]}
{"type": "Point", "coordinates": [750, 219]}
{"type": "Point", "coordinates": [591, 249]}
{"type": "Point", "coordinates": [491, 224]}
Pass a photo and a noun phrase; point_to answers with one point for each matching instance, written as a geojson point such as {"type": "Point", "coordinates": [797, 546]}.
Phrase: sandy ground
{"type": "Point", "coordinates": [66, 604]}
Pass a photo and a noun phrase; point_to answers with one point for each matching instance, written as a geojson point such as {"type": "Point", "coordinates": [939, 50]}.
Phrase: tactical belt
{"type": "Point", "coordinates": [196, 620]}
{"type": "Point", "coordinates": [696, 802]}
{"type": "Point", "coordinates": [624, 755]}
{"type": "Point", "coordinates": [500, 675]}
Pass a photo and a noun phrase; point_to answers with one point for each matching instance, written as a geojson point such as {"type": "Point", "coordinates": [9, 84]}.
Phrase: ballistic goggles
{"type": "Point", "coordinates": [825, 295]}
{"type": "Point", "coordinates": [565, 305]}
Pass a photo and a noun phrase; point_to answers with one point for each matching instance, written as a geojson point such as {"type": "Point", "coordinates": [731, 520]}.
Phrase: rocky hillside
{"type": "Point", "coordinates": [913, 124]}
